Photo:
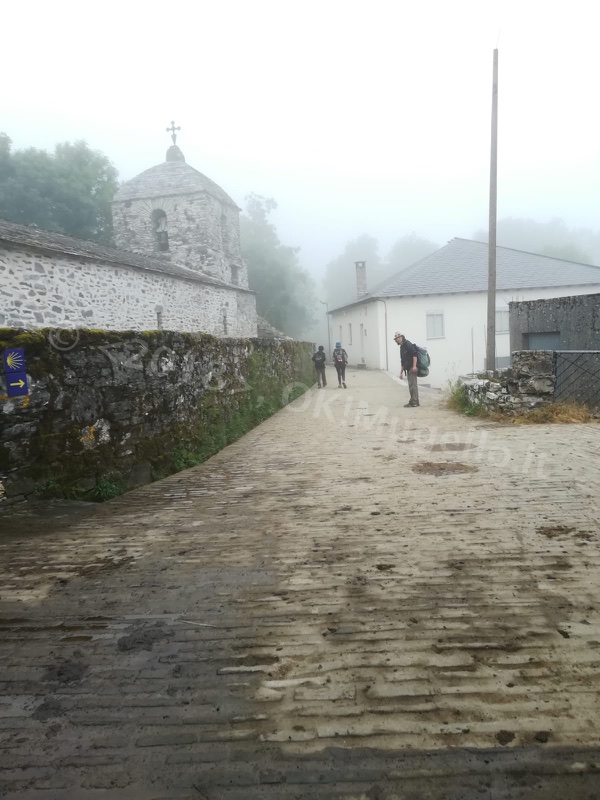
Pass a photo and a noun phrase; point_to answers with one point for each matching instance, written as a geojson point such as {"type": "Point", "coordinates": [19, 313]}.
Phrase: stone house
{"type": "Point", "coordinates": [177, 264]}
{"type": "Point", "coordinates": [440, 303]}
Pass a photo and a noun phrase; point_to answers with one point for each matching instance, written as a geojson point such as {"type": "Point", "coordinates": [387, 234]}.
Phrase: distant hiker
{"type": "Point", "coordinates": [340, 359]}
{"type": "Point", "coordinates": [319, 359]}
{"type": "Point", "coordinates": [408, 363]}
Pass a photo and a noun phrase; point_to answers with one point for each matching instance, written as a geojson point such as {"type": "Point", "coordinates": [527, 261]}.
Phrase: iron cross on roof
{"type": "Point", "coordinates": [172, 130]}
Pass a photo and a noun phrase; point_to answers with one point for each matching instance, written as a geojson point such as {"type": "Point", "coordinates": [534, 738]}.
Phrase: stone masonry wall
{"type": "Point", "coordinates": [529, 383]}
{"type": "Point", "coordinates": [575, 318]}
{"type": "Point", "coordinates": [108, 411]}
{"type": "Point", "coordinates": [203, 233]}
{"type": "Point", "coordinates": [49, 290]}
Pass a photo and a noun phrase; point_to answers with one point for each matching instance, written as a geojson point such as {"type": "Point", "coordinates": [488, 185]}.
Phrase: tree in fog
{"type": "Point", "coordinates": [567, 252]}
{"type": "Point", "coordinates": [552, 238]}
{"type": "Point", "coordinates": [406, 251]}
{"type": "Point", "coordinates": [340, 276]}
{"type": "Point", "coordinates": [286, 292]}
{"type": "Point", "coordinates": [340, 280]}
{"type": "Point", "coordinates": [67, 191]}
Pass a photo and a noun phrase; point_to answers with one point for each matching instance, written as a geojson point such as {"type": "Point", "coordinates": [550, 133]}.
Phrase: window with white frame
{"type": "Point", "coordinates": [340, 334]}
{"type": "Point", "coordinates": [502, 320]}
{"type": "Point", "coordinates": [435, 324]}
{"type": "Point", "coordinates": [349, 333]}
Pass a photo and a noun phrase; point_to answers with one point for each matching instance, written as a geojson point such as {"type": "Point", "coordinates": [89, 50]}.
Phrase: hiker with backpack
{"type": "Point", "coordinates": [340, 359]}
{"type": "Point", "coordinates": [319, 359]}
{"type": "Point", "coordinates": [409, 355]}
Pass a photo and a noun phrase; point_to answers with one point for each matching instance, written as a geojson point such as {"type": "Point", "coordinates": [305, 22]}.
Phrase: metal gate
{"type": "Point", "coordinates": [577, 374]}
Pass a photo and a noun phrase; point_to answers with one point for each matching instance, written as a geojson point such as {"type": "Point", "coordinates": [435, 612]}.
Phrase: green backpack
{"type": "Point", "coordinates": [423, 362]}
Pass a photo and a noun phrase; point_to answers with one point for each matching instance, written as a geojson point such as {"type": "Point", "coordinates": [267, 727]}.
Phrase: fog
{"type": "Point", "coordinates": [357, 118]}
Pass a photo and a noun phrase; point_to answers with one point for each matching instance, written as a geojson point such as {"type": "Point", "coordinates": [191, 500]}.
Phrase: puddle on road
{"type": "Point", "coordinates": [442, 467]}
{"type": "Point", "coordinates": [33, 626]}
{"type": "Point", "coordinates": [552, 531]}
{"type": "Point", "coordinates": [65, 672]}
{"type": "Point", "coordinates": [454, 446]}
{"type": "Point", "coordinates": [41, 518]}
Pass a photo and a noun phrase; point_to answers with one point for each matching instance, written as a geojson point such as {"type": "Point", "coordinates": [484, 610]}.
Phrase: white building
{"type": "Point", "coordinates": [441, 303]}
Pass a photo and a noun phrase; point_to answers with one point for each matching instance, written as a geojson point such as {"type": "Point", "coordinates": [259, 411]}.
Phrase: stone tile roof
{"type": "Point", "coordinates": [25, 236]}
{"type": "Point", "coordinates": [462, 266]}
{"type": "Point", "coordinates": [170, 178]}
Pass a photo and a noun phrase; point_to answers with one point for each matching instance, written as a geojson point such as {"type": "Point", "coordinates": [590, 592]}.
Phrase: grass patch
{"type": "Point", "coordinates": [109, 487]}
{"type": "Point", "coordinates": [184, 458]}
{"type": "Point", "coordinates": [64, 489]}
{"type": "Point", "coordinates": [562, 413]}
{"type": "Point", "coordinates": [457, 399]}
{"type": "Point", "coordinates": [295, 393]}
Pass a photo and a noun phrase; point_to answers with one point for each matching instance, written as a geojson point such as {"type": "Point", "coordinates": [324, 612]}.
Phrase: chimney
{"type": "Point", "coordinates": [361, 278]}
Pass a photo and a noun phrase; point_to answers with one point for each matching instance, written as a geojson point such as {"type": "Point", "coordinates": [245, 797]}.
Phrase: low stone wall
{"type": "Point", "coordinates": [111, 410]}
{"type": "Point", "coordinates": [528, 383]}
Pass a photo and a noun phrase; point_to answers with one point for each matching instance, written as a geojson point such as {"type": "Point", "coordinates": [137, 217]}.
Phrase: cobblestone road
{"type": "Point", "coordinates": [307, 616]}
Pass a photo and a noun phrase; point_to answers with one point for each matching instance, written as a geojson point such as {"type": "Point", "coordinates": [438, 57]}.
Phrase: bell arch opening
{"type": "Point", "coordinates": [160, 230]}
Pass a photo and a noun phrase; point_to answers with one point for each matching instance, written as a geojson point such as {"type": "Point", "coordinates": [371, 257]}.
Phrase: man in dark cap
{"type": "Point", "coordinates": [319, 359]}
{"type": "Point", "coordinates": [408, 363]}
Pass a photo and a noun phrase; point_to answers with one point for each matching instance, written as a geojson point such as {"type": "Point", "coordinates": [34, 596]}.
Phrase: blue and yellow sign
{"type": "Point", "coordinates": [15, 375]}
{"type": "Point", "coordinates": [16, 384]}
{"type": "Point", "coordinates": [14, 360]}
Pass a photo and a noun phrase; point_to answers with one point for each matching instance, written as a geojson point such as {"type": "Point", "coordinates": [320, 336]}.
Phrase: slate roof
{"type": "Point", "coordinates": [170, 178]}
{"type": "Point", "coordinates": [462, 266]}
{"type": "Point", "coordinates": [38, 239]}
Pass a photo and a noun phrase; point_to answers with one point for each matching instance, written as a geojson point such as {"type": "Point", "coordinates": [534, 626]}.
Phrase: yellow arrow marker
{"type": "Point", "coordinates": [20, 384]}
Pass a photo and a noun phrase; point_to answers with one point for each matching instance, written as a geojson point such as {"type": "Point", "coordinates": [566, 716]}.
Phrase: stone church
{"type": "Point", "coordinates": [177, 264]}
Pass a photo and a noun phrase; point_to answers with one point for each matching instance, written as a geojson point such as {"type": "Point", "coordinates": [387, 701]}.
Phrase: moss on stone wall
{"type": "Point", "coordinates": [112, 405]}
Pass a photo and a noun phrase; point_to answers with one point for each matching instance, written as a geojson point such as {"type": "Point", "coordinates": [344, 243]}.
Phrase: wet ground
{"type": "Point", "coordinates": [356, 600]}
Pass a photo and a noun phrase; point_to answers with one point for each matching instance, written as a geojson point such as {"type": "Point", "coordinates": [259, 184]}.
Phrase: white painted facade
{"type": "Point", "coordinates": [368, 336]}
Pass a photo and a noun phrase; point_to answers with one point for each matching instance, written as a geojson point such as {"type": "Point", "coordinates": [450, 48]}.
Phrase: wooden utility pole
{"type": "Point", "coordinates": [491, 304]}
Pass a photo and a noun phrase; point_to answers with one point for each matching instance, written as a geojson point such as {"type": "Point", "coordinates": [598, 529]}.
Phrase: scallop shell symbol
{"type": "Point", "coordinates": [15, 361]}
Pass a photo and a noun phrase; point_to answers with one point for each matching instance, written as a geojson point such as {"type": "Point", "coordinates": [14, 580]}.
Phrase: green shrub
{"type": "Point", "coordinates": [108, 487]}
{"type": "Point", "coordinates": [64, 490]}
{"type": "Point", "coordinates": [457, 399]}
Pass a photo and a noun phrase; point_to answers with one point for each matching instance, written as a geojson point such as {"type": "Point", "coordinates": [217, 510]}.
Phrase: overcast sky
{"type": "Point", "coordinates": [357, 117]}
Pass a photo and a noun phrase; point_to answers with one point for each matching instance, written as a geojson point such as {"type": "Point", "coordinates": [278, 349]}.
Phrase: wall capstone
{"type": "Point", "coordinates": [528, 383]}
